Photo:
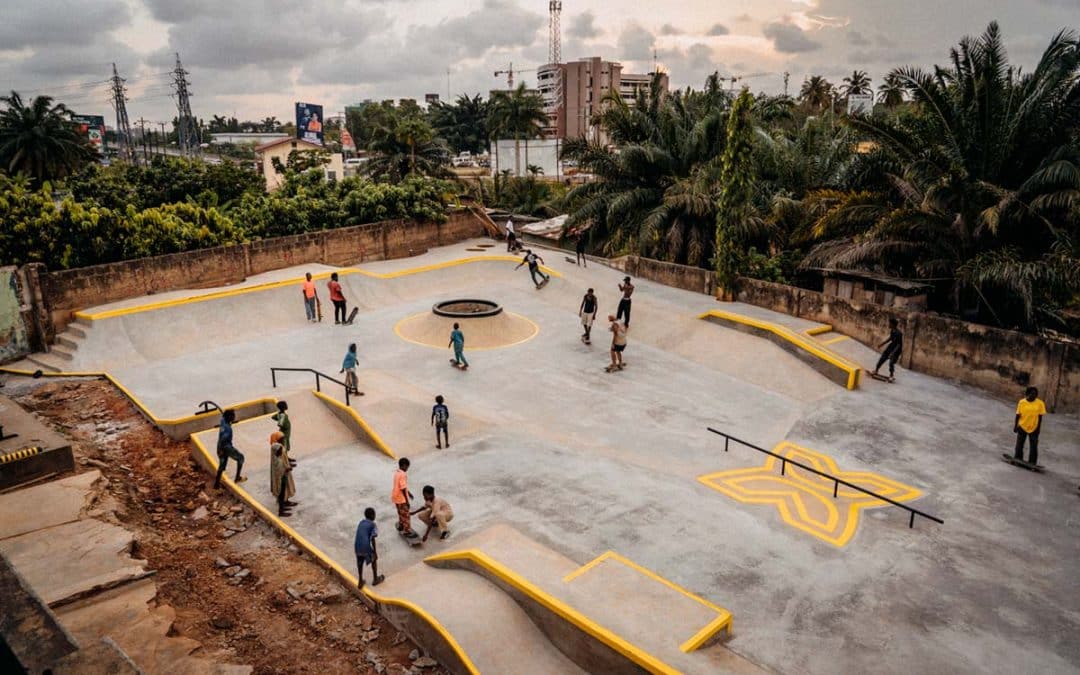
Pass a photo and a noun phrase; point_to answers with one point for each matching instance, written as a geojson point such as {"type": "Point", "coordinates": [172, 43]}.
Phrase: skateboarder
{"type": "Point", "coordinates": [580, 249]}
{"type": "Point", "coordinates": [440, 417]}
{"type": "Point", "coordinates": [364, 547]}
{"type": "Point", "coordinates": [284, 425]}
{"type": "Point", "coordinates": [895, 343]}
{"type": "Point", "coordinates": [618, 343]}
{"type": "Point", "coordinates": [511, 236]}
{"type": "Point", "coordinates": [587, 312]}
{"type": "Point", "coordinates": [400, 496]}
{"type": "Point", "coordinates": [435, 512]}
{"type": "Point", "coordinates": [311, 298]}
{"type": "Point", "coordinates": [338, 298]}
{"type": "Point", "coordinates": [457, 341]}
{"type": "Point", "coordinates": [627, 289]}
{"type": "Point", "coordinates": [348, 366]}
{"type": "Point", "coordinates": [1028, 423]}
{"type": "Point", "coordinates": [281, 480]}
{"type": "Point", "coordinates": [225, 449]}
{"type": "Point", "coordinates": [534, 261]}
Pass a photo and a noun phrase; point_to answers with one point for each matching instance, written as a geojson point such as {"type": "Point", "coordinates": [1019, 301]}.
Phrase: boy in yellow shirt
{"type": "Point", "coordinates": [1029, 414]}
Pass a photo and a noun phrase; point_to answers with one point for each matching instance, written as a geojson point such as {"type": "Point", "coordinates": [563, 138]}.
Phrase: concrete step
{"type": "Point", "coordinates": [80, 321]}
{"type": "Point", "coordinates": [69, 340]}
{"type": "Point", "coordinates": [62, 352]}
{"type": "Point", "coordinates": [77, 330]}
{"type": "Point", "coordinates": [47, 362]}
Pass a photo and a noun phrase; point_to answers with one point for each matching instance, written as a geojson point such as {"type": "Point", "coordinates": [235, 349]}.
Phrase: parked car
{"type": "Point", "coordinates": [463, 159]}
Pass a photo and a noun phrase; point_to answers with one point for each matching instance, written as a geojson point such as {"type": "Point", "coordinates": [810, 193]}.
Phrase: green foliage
{"type": "Point", "coordinates": [462, 124]}
{"type": "Point", "coordinates": [402, 143]}
{"type": "Point", "coordinates": [735, 216]}
{"type": "Point", "coordinates": [166, 180]}
{"type": "Point", "coordinates": [40, 140]}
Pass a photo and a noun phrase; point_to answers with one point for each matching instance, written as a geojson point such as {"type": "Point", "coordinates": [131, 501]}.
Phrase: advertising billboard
{"type": "Point", "coordinates": [860, 104]}
{"type": "Point", "coordinates": [309, 122]}
{"type": "Point", "coordinates": [93, 127]}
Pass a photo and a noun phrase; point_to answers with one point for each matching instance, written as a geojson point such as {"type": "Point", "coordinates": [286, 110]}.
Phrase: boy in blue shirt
{"type": "Point", "coordinates": [364, 547]}
{"type": "Point", "coordinates": [225, 449]}
{"type": "Point", "coordinates": [440, 416]}
{"type": "Point", "coordinates": [457, 341]}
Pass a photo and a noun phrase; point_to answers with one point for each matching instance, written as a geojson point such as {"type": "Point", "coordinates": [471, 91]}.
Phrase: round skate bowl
{"type": "Point", "coordinates": [484, 323]}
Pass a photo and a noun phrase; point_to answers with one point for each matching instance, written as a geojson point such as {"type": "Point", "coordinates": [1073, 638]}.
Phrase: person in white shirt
{"type": "Point", "coordinates": [511, 236]}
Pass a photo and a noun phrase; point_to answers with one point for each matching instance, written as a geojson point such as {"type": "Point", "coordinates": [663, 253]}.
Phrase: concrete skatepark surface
{"type": "Point", "coordinates": [578, 462]}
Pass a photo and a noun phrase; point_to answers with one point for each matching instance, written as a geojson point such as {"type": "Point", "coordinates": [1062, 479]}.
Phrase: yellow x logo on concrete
{"type": "Point", "coordinates": [805, 500]}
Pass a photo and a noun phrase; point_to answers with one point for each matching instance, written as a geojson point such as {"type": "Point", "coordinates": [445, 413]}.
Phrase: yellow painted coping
{"type": "Point", "coordinates": [360, 421]}
{"type": "Point", "coordinates": [560, 608]}
{"type": "Point", "coordinates": [800, 340]}
{"type": "Point", "coordinates": [216, 295]}
{"type": "Point", "coordinates": [343, 574]}
{"type": "Point", "coordinates": [267, 515]}
{"type": "Point", "coordinates": [834, 340]}
{"type": "Point", "coordinates": [818, 330]}
{"type": "Point", "coordinates": [721, 622]}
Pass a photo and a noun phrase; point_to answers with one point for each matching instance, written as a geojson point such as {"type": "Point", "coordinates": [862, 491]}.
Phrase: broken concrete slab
{"type": "Point", "coordinates": [47, 505]}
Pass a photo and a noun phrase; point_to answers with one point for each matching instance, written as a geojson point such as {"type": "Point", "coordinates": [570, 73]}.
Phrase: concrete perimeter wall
{"type": "Point", "coordinates": [66, 291]}
{"type": "Point", "coordinates": [1001, 362]}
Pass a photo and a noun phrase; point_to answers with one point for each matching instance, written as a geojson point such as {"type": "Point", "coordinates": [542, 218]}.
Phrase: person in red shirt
{"type": "Point", "coordinates": [401, 496]}
{"type": "Point", "coordinates": [311, 297]}
{"type": "Point", "coordinates": [338, 298]}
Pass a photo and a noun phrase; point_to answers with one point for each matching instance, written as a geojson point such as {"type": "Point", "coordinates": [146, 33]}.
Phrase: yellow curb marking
{"type": "Point", "coordinates": [722, 621]}
{"type": "Point", "coordinates": [361, 422]}
{"type": "Point", "coordinates": [834, 340]}
{"type": "Point", "coordinates": [796, 492]}
{"type": "Point", "coordinates": [16, 455]}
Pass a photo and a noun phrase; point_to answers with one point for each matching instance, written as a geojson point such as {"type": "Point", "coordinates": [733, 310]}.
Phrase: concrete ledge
{"type": "Point", "coordinates": [353, 420]}
{"type": "Point", "coordinates": [588, 644]}
{"type": "Point", "coordinates": [825, 361]}
{"type": "Point", "coordinates": [27, 626]}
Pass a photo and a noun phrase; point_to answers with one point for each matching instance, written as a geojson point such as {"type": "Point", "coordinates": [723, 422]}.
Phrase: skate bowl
{"type": "Point", "coordinates": [484, 322]}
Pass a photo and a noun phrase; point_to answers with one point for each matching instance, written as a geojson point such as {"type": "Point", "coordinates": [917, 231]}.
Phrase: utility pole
{"type": "Point", "coordinates": [142, 134]}
{"type": "Point", "coordinates": [123, 127]}
{"type": "Point", "coordinates": [187, 129]}
{"type": "Point", "coordinates": [786, 76]}
{"type": "Point", "coordinates": [164, 140]}
{"type": "Point", "coordinates": [448, 86]}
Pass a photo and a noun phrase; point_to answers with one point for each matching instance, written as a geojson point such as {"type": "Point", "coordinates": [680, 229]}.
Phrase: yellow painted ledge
{"type": "Point", "coordinates": [359, 421]}
{"type": "Point", "coordinates": [799, 340]}
{"type": "Point", "coordinates": [217, 295]}
{"type": "Point", "coordinates": [558, 607]}
{"type": "Point", "coordinates": [698, 639]}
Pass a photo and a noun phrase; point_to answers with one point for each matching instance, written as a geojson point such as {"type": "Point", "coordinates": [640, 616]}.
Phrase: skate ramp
{"type": "Point", "coordinates": [505, 329]}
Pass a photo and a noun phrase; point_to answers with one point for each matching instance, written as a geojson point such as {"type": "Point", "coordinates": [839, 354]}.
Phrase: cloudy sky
{"type": "Point", "coordinates": [254, 58]}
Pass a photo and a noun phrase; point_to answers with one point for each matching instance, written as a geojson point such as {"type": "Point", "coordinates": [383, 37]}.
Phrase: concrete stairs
{"type": "Point", "coordinates": [61, 355]}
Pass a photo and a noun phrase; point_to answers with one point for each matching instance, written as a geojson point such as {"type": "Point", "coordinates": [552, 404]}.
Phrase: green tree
{"type": "Point", "coordinates": [39, 139]}
{"type": "Point", "coordinates": [736, 218]}
{"type": "Point", "coordinates": [855, 84]}
{"type": "Point", "coordinates": [520, 114]}
{"type": "Point", "coordinates": [404, 144]}
{"type": "Point", "coordinates": [817, 93]}
{"type": "Point", "coordinates": [891, 91]}
{"type": "Point", "coordinates": [462, 124]}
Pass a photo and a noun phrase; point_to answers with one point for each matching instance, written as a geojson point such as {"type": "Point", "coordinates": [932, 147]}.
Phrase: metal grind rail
{"type": "Point", "coordinates": [318, 378]}
{"type": "Point", "coordinates": [837, 482]}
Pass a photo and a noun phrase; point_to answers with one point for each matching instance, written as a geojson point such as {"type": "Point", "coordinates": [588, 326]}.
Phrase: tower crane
{"type": "Point", "coordinates": [738, 78]}
{"type": "Point", "coordinates": [509, 73]}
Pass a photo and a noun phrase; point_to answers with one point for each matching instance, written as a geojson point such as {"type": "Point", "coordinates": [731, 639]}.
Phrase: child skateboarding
{"type": "Point", "coordinates": [348, 366]}
{"type": "Point", "coordinates": [623, 312]}
{"type": "Point", "coordinates": [364, 547]}
{"type": "Point", "coordinates": [400, 496]}
{"type": "Point", "coordinates": [440, 418]}
{"type": "Point", "coordinates": [587, 312]}
{"type": "Point", "coordinates": [435, 512]}
{"type": "Point", "coordinates": [894, 345]}
{"type": "Point", "coordinates": [338, 298]}
{"type": "Point", "coordinates": [534, 261]}
{"type": "Point", "coordinates": [1029, 415]}
{"type": "Point", "coordinates": [618, 343]}
{"type": "Point", "coordinates": [311, 299]}
{"type": "Point", "coordinates": [457, 341]}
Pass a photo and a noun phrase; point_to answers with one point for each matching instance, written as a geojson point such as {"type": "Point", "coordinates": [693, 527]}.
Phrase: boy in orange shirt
{"type": "Point", "coordinates": [400, 496]}
{"type": "Point", "coordinates": [1028, 423]}
{"type": "Point", "coordinates": [311, 298]}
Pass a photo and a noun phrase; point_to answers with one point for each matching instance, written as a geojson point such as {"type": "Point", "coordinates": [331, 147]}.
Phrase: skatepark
{"type": "Point", "coordinates": [596, 516]}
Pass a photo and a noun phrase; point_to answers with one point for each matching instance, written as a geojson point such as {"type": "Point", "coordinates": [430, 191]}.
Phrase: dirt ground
{"type": "Point", "coordinates": [243, 591]}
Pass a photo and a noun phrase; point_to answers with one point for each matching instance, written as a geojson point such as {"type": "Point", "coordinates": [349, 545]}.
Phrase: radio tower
{"type": "Point", "coordinates": [187, 130]}
{"type": "Point", "coordinates": [549, 76]}
{"type": "Point", "coordinates": [123, 126]}
{"type": "Point", "coordinates": [555, 31]}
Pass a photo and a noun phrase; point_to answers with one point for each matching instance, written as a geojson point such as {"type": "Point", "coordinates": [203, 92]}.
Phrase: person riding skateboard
{"type": "Point", "coordinates": [311, 298]}
{"type": "Point", "coordinates": [225, 449]}
{"type": "Point", "coordinates": [348, 366]}
{"type": "Point", "coordinates": [338, 298]}
{"type": "Point", "coordinates": [435, 512]}
{"type": "Point", "coordinates": [400, 497]}
{"type": "Point", "coordinates": [623, 312]}
{"type": "Point", "coordinates": [457, 341]}
{"type": "Point", "coordinates": [440, 418]}
{"type": "Point", "coordinates": [891, 353]}
{"type": "Point", "coordinates": [587, 312]}
{"type": "Point", "coordinates": [618, 343]}
{"type": "Point", "coordinates": [534, 261]}
{"type": "Point", "coordinates": [1029, 415]}
{"type": "Point", "coordinates": [364, 548]}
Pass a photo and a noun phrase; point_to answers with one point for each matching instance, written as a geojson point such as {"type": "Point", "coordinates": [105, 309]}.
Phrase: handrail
{"type": "Point", "coordinates": [318, 375]}
{"type": "Point", "coordinates": [837, 482]}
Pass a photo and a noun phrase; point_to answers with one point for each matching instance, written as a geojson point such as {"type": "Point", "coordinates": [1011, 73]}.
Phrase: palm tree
{"type": "Point", "coordinates": [40, 140]}
{"type": "Point", "coordinates": [270, 124]}
{"type": "Point", "coordinates": [520, 113]}
{"type": "Point", "coordinates": [817, 93]}
{"type": "Point", "coordinates": [463, 124]}
{"type": "Point", "coordinates": [857, 83]}
{"type": "Point", "coordinates": [986, 191]}
{"type": "Point", "coordinates": [891, 91]}
{"type": "Point", "coordinates": [405, 145]}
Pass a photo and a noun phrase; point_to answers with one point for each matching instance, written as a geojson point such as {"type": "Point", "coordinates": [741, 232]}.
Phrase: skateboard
{"type": "Point", "coordinates": [413, 541]}
{"type": "Point", "coordinates": [318, 309]}
{"type": "Point", "coordinates": [352, 316]}
{"type": "Point", "coordinates": [543, 283]}
{"type": "Point", "coordinates": [570, 260]}
{"type": "Point", "coordinates": [611, 369]}
{"type": "Point", "coordinates": [1037, 468]}
{"type": "Point", "coordinates": [586, 340]}
{"type": "Point", "coordinates": [457, 365]}
{"type": "Point", "coordinates": [881, 378]}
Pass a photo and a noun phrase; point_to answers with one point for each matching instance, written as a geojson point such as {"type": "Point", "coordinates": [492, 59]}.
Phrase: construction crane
{"type": "Point", "coordinates": [738, 78]}
{"type": "Point", "coordinates": [509, 73]}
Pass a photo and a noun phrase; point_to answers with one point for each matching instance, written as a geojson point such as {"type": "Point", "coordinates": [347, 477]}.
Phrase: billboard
{"type": "Point", "coordinates": [347, 140]}
{"type": "Point", "coordinates": [860, 104]}
{"type": "Point", "coordinates": [309, 122]}
{"type": "Point", "coordinates": [93, 127]}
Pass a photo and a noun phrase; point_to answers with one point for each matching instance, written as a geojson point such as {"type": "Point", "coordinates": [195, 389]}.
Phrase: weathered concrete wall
{"type": "Point", "coordinates": [66, 291]}
{"type": "Point", "coordinates": [14, 336]}
{"type": "Point", "coordinates": [678, 276]}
